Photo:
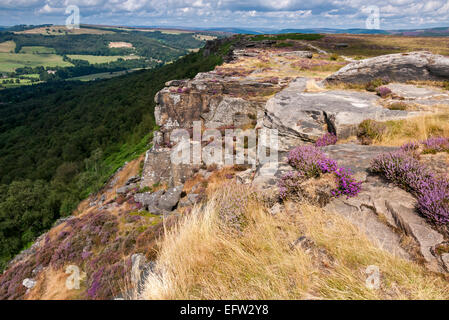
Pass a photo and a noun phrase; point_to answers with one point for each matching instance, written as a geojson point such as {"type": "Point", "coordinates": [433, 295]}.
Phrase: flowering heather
{"type": "Point", "coordinates": [383, 91]}
{"type": "Point", "coordinates": [326, 140]}
{"type": "Point", "coordinates": [346, 184]}
{"type": "Point", "coordinates": [305, 159]}
{"type": "Point", "coordinates": [403, 169]}
{"type": "Point", "coordinates": [290, 183]}
{"type": "Point", "coordinates": [311, 162]}
{"type": "Point", "coordinates": [410, 146]}
{"type": "Point", "coordinates": [436, 144]}
{"type": "Point", "coordinates": [433, 201]}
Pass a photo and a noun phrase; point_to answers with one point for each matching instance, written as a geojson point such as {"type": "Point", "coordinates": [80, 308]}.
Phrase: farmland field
{"type": "Point", "coordinates": [36, 49]}
{"type": "Point", "coordinates": [102, 75]}
{"type": "Point", "coordinates": [7, 46]}
{"type": "Point", "coordinates": [62, 30]}
{"type": "Point", "coordinates": [99, 59]}
{"type": "Point", "coordinates": [10, 61]}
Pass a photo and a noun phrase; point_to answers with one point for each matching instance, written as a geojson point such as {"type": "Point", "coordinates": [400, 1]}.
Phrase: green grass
{"type": "Point", "coordinates": [98, 59]}
{"type": "Point", "coordinates": [37, 50]}
{"type": "Point", "coordinates": [11, 61]}
{"type": "Point", "coordinates": [111, 164]}
{"type": "Point", "coordinates": [102, 75]}
{"type": "Point", "coordinates": [23, 82]}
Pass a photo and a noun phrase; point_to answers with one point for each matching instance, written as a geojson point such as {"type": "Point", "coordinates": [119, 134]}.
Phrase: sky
{"type": "Point", "coordinates": [276, 14]}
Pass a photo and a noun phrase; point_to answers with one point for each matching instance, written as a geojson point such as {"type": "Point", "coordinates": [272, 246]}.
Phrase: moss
{"type": "Point", "coordinates": [398, 106]}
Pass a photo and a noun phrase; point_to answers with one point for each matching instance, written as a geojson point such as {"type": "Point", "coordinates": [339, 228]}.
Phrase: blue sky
{"type": "Point", "coordinates": [276, 14]}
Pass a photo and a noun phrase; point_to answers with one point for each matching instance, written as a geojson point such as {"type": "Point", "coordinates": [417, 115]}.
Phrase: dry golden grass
{"type": "Point", "coordinates": [51, 285]}
{"type": "Point", "coordinates": [202, 259]}
{"type": "Point", "coordinates": [417, 128]}
{"type": "Point", "coordinates": [311, 86]}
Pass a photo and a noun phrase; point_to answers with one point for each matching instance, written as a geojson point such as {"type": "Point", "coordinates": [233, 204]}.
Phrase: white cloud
{"type": "Point", "coordinates": [255, 13]}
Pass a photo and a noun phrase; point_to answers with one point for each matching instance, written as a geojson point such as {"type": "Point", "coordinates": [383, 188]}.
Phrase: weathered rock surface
{"type": "Point", "coordinates": [306, 116]}
{"type": "Point", "coordinates": [355, 157]}
{"type": "Point", "coordinates": [170, 198]}
{"type": "Point", "coordinates": [381, 209]}
{"type": "Point", "coordinates": [209, 97]}
{"type": "Point", "coordinates": [29, 283]}
{"type": "Point", "coordinates": [401, 67]}
{"type": "Point", "coordinates": [410, 91]}
{"type": "Point", "coordinates": [140, 268]}
{"type": "Point", "coordinates": [161, 201]}
{"type": "Point", "coordinates": [300, 54]}
{"type": "Point", "coordinates": [126, 188]}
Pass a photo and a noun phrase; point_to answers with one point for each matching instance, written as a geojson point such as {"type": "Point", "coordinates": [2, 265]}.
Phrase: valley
{"type": "Point", "coordinates": [56, 53]}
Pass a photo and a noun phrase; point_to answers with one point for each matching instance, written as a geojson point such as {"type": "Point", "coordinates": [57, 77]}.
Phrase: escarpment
{"type": "Point", "coordinates": [259, 87]}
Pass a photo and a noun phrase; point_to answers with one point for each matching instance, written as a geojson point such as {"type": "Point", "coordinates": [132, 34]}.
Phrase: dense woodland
{"type": "Point", "coordinates": [60, 141]}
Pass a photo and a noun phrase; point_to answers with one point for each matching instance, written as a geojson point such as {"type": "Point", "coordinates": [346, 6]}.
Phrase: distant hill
{"type": "Point", "coordinates": [431, 32]}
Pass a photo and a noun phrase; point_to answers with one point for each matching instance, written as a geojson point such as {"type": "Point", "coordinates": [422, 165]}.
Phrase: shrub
{"type": "Point", "coordinates": [311, 162]}
{"type": "Point", "coordinates": [410, 146]}
{"type": "Point", "coordinates": [334, 57]}
{"type": "Point", "coordinates": [305, 159]}
{"type": "Point", "coordinates": [373, 84]}
{"type": "Point", "coordinates": [369, 130]}
{"type": "Point", "coordinates": [436, 144]}
{"type": "Point", "coordinates": [398, 106]}
{"type": "Point", "coordinates": [326, 140]}
{"type": "Point", "coordinates": [383, 92]}
{"type": "Point", "coordinates": [403, 169]}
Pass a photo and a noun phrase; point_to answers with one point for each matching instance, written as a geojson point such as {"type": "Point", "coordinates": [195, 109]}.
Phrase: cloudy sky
{"type": "Point", "coordinates": [231, 13]}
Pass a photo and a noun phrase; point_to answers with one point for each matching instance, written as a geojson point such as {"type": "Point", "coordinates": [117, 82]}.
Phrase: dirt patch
{"type": "Point", "coordinates": [120, 45]}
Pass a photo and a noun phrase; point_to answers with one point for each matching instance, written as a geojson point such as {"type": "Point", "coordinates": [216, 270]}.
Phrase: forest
{"type": "Point", "coordinates": [61, 141]}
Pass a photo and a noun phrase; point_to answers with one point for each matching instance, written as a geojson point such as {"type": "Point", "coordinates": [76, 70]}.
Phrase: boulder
{"type": "Point", "coordinates": [157, 167]}
{"type": "Point", "coordinates": [29, 283]}
{"type": "Point", "coordinates": [355, 157]}
{"type": "Point", "coordinates": [133, 179]}
{"type": "Point", "coordinates": [401, 67]}
{"type": "Point", "coordinates": [299, 54]}
{"type": "Point", "coordinates": [150, 201]}
{"type": "Point", "coordinates": [170, 198]}
{"type": "Point", "coordinates": [127, 188]}
{"type": "Point", "coordinates": [408, 220]}
{"type": "Point", "coordinates": [413, 92]}
{"type": "Point", "coordinates": [140, 268]}
{"type": "Point", "coordinates": [306, 116]}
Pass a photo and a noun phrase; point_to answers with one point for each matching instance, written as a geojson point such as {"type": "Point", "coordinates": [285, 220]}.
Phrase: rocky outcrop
{"type": "Point", "coordinates": [385, 212]}
{"type": "Point", "coordinates": [211, 98]}
{"type": "Point", "coordinates": [401, 67]}
{"type": "Point", "coordinates": [302, 116]}
{"type": "Point", "coordinates": [161, 201]}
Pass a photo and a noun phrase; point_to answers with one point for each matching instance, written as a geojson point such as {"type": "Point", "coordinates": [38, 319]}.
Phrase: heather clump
{"type": "Point", "coordinates": [404, 169]}
{"type": "Point", "coordinates": [311, 162]}
{"type": "Point", "coordinates": [436, 144]}
{"type": "Point", "coordinates": [383, 92]}
{"type": "Point", "coordinates": [233, 203]}
{"type": "Point", "coordinates": [99, 243]}
{"type": "Point", "coordinates": [374, 84]}
{"type": "Point", "coordinates": [326, 140]}
{"type": "Point", "coordinates": [370, 130]}
{"type": "Point", "coordinates": [306, 160]}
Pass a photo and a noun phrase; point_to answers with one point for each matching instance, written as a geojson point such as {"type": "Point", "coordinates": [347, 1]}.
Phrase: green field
{"type": "Point", "coordinates": [7, 46]}
{"type": "Point", "coordinates": [103, 75]}
{"type": "Point", "coordinates": [23, 82]}
{"type": "Point", "coordinates": [99, 59]}
{"type": "Point", "coordinates": [37, 50]}
{"type": "Point", "coordinates": [10, 61]}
